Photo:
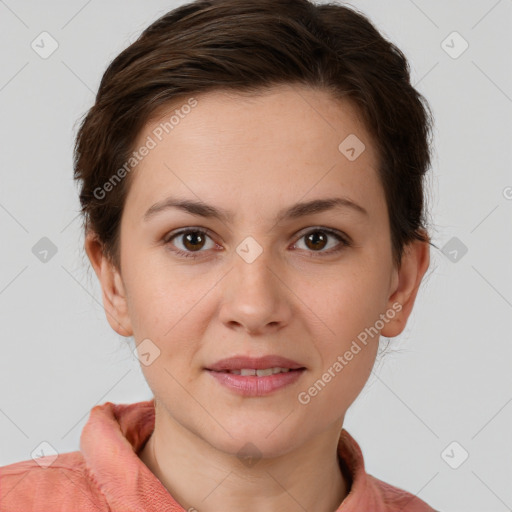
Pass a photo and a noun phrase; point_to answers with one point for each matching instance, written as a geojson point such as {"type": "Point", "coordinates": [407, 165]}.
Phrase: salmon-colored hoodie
{"type": "Point", "coordinates": [107, 475]}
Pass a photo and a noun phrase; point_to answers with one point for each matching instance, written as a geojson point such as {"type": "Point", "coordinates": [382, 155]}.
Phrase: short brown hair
{"type": "Point", "coordinates": [247, 46]}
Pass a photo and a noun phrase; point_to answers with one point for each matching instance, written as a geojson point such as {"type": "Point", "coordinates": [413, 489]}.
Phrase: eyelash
{"type": "Point", "coordinates": [345, 242]}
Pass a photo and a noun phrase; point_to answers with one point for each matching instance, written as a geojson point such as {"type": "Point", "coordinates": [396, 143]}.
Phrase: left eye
{"type": "Point", "coordinates": [317, 239]}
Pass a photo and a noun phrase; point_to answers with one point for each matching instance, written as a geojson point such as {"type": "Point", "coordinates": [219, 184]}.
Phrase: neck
{"type": "Point", "coordinates": [199, 477]}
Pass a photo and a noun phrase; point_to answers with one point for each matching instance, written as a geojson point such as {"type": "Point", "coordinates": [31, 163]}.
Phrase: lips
{"type": "Point", "coordinates": [238, 363]}
{"type": "Point", "coordinates": [253, 377]}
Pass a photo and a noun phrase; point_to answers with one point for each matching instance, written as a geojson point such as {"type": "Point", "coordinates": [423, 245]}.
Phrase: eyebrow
{"type": "Point", "coordinates": [295, 211]}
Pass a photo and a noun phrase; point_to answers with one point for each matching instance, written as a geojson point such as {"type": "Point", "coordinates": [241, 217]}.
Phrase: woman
{"type": "Point", "coordinates": [252, 187]}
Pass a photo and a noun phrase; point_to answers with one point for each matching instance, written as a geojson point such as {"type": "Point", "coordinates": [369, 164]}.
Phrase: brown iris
{"type": "Point", "coordinates": [192, 239]}
{"type": "Point", "coordinates": [316, 238]}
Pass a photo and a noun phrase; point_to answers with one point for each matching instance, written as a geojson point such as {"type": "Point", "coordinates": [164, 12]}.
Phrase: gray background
{"type": "Point", "coordinates": [448, 376]}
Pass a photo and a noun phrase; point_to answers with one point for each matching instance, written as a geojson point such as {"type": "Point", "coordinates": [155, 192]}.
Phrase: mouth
{"type": "Point", "coordinates": [259, 366]}
{"type": "Point", "coordinates": [264, 372]}
{"type": "Point", "coordinates": [256, 377]}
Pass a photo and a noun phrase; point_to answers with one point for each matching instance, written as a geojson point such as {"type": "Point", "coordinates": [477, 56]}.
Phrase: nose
{"type": "Point", "coordinates": [255, 297]}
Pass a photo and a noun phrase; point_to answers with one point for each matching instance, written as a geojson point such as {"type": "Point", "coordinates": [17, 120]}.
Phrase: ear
{"type": "Point", "coordinates": [113, 292]}
{"type": "Point", "coordinates": [405, 286]}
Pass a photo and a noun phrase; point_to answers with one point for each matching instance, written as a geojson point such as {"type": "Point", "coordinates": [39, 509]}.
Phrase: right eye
{"type": "Point", "coordinates": [190, 239]}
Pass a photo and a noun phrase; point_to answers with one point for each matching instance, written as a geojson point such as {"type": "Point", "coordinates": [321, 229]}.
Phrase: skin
{"type": "Point", "coordinates": [254, 155]}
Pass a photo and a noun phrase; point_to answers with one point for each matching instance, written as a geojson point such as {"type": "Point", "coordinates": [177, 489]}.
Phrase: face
{"type": "Point", "coordinates": [264, 276]}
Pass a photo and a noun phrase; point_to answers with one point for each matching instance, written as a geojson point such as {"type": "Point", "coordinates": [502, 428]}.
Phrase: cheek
{"type": "Point", "coordinates": [158, 296]}
{"type": "Point", "coordinates": [348, 302]}
{"type": "Point", "coordinates": [172, 310]}
{"type": "Point", "coordinates": [354, 312]}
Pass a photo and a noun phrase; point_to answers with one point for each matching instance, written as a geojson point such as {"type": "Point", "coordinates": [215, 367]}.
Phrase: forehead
{"type": "Point", "coordinates": [277, 145]}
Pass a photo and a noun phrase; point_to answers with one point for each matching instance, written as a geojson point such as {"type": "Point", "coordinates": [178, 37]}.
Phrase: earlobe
{"type": "Point", "coordinates": [112, 287]}
{"type": "Point", "coordinates": [415, 262]}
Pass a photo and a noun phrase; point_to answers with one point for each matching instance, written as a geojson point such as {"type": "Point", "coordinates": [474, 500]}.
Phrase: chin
{"type": "Point", "coordinates": [254, 440]}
